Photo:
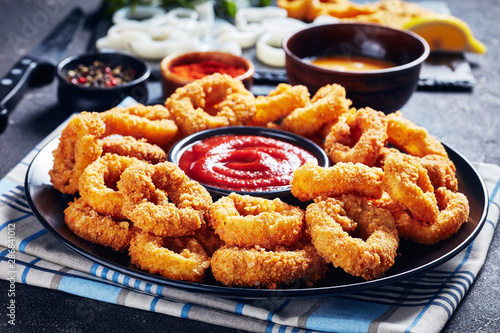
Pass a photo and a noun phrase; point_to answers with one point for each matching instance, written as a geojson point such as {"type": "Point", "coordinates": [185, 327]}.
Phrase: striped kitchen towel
{"type": "Point", "coordinates": [29, 254]}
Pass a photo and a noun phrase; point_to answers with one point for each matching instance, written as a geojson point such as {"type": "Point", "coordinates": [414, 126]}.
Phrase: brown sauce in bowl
{"type": "Point", "coordinates": [350, 63]}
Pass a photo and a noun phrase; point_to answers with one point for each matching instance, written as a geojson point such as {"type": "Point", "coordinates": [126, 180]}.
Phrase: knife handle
{"type": "Point", "coordinates": [26, 72]}
{"type": "Point", "coordinates": [14, 83]}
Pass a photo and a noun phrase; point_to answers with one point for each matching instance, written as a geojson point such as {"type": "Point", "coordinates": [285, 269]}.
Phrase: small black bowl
{"type": "Point", "coordinates": [178, 149]}
{"type": "Point", "coordinates": [76, 98]}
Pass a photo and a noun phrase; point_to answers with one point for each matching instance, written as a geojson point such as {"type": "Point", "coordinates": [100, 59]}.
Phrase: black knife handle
{"type": "Point", "coordinates": [14, 83]}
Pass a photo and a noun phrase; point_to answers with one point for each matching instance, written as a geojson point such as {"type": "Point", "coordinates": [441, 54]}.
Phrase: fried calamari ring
{"type": "Point", "coordinates": [279, 103]}
{"type": "Point", "coordinates": [244, 221]}
{"type": "Point", "coordinates": [407, 182]}
{"type": "Point", "coordinates": [146, 189]}
{"type": "Point", "coordinates": [257, 267]}
{"type": "Point", "coordinates": [297, 9]}
{"type": "Point", "coordinates": [338, 8]}
{"type": "Point", "coordinates": [326, 106]}
{"type": "Point", "coordinates": [453, 213]}
{"type": "Point", "coordinates": [207, 237]}
{"type": "Point", "coordinates": [97, 185]}
{"type": "Point", "coordinates": [371, 252]}
{"type": "Point", "coordinates": [151, 122]}
{"type": "Point", "coordinates": [392, 13]}
{"type": "Point", "coordinates": [412, 139]}
{"type": "Point", "coordinates": [311, 181]}
{"type": "Point", "coordinates": [217, 100]}
{"type": "Point", "coordinates": [173, 258]}
{"type": "Point", "coordinates": [78, 147]}
{"type": "Point", "coordinates": [358, 138]}
{"type": "Point", "coordinates": [86, 223]}
{"type": "Point", "coordinates": [441, 171]}
{"type": "Point", "coordinates": [182, 191]}
{"type": "Point", "coordinates": [131, 147]}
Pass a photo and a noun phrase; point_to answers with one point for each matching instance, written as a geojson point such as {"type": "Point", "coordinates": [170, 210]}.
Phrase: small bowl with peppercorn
{"type": "Point", "coordinates": [100, 81]}
{"type": "Point", "coordinates": [180, 69]}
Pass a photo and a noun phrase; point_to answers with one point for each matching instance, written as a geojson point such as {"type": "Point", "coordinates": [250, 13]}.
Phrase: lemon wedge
{"type": "Point", "coordinates": [445, 33]}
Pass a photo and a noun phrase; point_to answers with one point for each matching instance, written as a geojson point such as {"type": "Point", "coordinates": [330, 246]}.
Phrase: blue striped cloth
{"type": "Point", "coordinates": [421, 303]}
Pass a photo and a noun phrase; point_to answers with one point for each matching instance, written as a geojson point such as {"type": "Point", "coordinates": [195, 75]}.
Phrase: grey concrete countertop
{"type": "Point", "coordinates": [467, 121]}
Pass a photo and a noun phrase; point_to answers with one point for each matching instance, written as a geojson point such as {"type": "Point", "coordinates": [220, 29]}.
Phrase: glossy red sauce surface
{"type": "Point", "coordinates": [243, 162]}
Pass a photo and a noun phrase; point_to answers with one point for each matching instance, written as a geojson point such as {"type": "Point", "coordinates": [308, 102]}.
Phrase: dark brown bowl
{"type": "Point", "coordinates": [173, 81]}
{"type": "Point", "coordinates": [385, 90]}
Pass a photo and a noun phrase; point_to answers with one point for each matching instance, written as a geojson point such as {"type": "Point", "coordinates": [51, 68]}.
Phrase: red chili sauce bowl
{"type": "Point", "coordinates": [173, 80]}
{"type": "Point", "coordinates": [272, 191]}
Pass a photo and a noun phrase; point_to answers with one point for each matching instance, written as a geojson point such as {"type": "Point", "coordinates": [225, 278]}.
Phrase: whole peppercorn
{"type": "Point", "coordinates": [99, 74]}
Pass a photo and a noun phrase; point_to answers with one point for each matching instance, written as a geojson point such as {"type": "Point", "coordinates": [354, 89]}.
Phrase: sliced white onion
{"type": "Point", "coordinates": [137, 14]}
{"type": "Point", "coordinates": [269, 51]}
{"type": "Point", "coordinates": [156, 50]}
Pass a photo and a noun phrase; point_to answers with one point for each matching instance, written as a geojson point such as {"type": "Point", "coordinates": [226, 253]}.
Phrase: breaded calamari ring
{"type": "Point", "coordinates": [207, 237]}
{"type": "Point", "coordinates": [217, 100]}
{"type": "Point", "coordinates": [453, 213]}
{"type": "Point", "coordinates": [132, 147]}
{"type": "Point", "coordinates": [151, 122]}
{"type": "Point", "coordinates": [146, 190]}
{"type": "Point", "coordinates": [441, 171]}
{"type": "Point", "coordinates": [311, 181]}
{"type": "Point", "coordinates": [97, 185]}
{"type": "Point", "coordinates": [371, 252]}
{"type": "Point", "coordinates": [182, 191]}
{"type": "Point", "coordinates": [279, 103]}
{"type": "Point", "coordinates": [297, 9]}
{"type": "Point", "coordinates": [258, 267]}
{"type": "Point", "coordinates": [86, 223]}
{"type": "Point", "coordinates": [357, 138]}
{"type": "Point", "coordinates": [327, 104]}
{"type": "Point", "coordinates": [78, 147]}
{"type": "Point", "coordinates": [244, 221]}
{"type": "Point", "coordinates": [411, 138]}
{"type": "Point", "coordinates": [407, 182]}
{"type": "Point", "coordinates": [173, 258]}
{"type": "Point", "coordinates": [342, 9]}
{"type": "Point", "coordinates": [392, 13]}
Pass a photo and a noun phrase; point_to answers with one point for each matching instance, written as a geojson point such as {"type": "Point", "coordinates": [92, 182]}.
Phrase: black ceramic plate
{"type": "Point", "coordinates": [49, 204]}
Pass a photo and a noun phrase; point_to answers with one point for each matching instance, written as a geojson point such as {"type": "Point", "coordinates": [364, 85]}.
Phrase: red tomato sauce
{"type": "Point", "coordinates": [244, 162]}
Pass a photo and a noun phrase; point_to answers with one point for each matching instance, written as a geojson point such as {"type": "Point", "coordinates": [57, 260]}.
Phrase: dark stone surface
{"type": "Point", "coordinates": [466, 121]}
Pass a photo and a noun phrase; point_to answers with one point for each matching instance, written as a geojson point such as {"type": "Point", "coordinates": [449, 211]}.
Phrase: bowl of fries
{"type": "Point", "coordinates": [378, 66]}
